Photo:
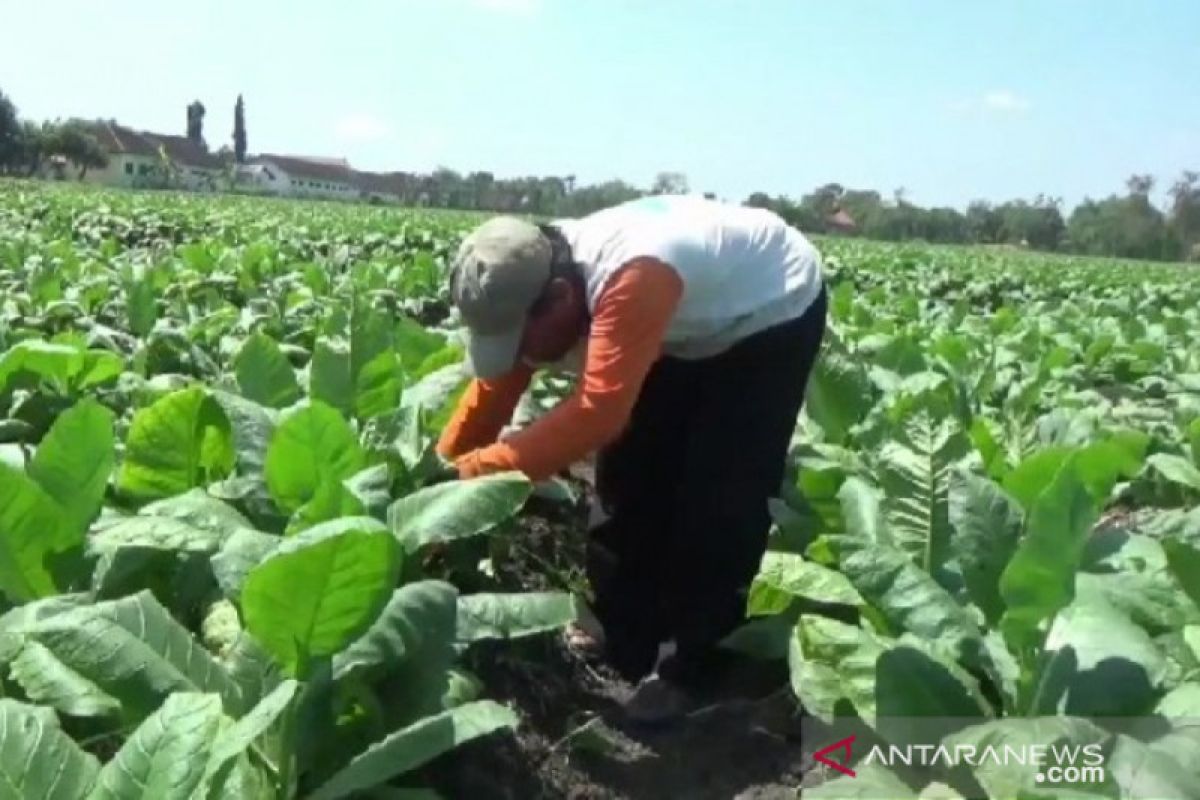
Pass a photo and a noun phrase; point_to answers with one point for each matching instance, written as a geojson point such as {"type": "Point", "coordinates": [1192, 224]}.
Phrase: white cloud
{"type": "Point", "coordinates": [361, 128]}
{"type": "Point", "coordinates": [521, 7]}
{"type": "Point", "coordinates": [1005, 102]}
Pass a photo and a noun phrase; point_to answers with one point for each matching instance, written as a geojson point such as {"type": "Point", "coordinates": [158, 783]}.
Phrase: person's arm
{"type": "Point", "coordinates": [482, 412]}
{"type": "Point", "coordinates": [630, 320]}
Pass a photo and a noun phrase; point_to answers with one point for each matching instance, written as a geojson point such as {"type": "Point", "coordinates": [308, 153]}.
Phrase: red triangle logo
{"type": "Point", "coordinates": [843, 766]}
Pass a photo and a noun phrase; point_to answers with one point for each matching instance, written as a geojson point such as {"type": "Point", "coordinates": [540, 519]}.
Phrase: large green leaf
{"type": "Point", "coordinates": [182, 441]}
{"type": "Point", "coordinates": [330, 380]}
{"type": "Point", "coordinates": [74, 460]}
{"type": "Point", "coordinates": [132, 650]}
{"type": "Point", "coordinates": [1143, 770]}
{"type": "Point", "coordinates": [412, 643]}
{"type": "Point", "coordinates": [510, 616]}
{"type": "Point", "coordinates": [377, 386]}
{"type": "Point", "coordinates": [457, 509]}
{"type": "Point", "coordinates": [347, 568]}
{"type": "Point", "coordinates": [240, 553]}
{"type": "Point", "coordinates": [908, 597]}
{"type": "Point", "coordinates": [1040, 578]}
{"type": "Point", "coordinates": [264, 374]}
{"type": "Point", "coordinates": [32, 527]}
{"type": "Point", "coordinates": [785, 577]}
{"type": "Point", "coordinates": [831, 662]}
{"type": "Point", "coordinates": [419, 743]}
{"type": "Point", "coordinates": [415, 612]}
{"type": "Point", "coordinates": [987, 528]}
{"type": "Point", "coordinates": [861, 506]}
{"type": "Point", "coordinates": [1060, 736]}
{"type": "Point", "coordinates": [1184, 561]}
{"type": "Point", "coordinates": [910, 683]}
{"type": "Point", "coordinates": [167, 757]}
{"type": "Point", "coordinates": [1177, 469]}
{"type": "Point", "coordinates": [199, 510]}
{"type": "Point", "coordinates": [62, 366]}
{"type": "Point", "coordinates": [50, 682]}
{"type": "Point", "coordinates": [915, 476]}
{"type": "Point", "coordinates": [312, 446]}
{"type": "Point", "coordinates": [38, 760]}
{"type": "Point", "coordinates": [1098, 663]}
{"type": "Point", "coordinates": [237, 738]}
{"type": "Point", "coordinates": [838, 397]}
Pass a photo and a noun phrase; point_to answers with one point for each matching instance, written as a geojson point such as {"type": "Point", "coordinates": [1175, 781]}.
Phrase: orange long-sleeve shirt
{"type": "Point", "coordinates": [624, 341]}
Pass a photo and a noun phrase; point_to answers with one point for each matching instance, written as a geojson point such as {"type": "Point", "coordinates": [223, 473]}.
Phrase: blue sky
{"type": "Point", "coordinates": [951, 100]}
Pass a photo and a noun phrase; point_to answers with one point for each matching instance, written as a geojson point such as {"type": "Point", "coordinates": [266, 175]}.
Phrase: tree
{"type": "Point", "coordinates": [239, 131]}
{"type": "Point", "coordinates": [75, 141]}
{"type": "Point", "coordinates": [669, 183]}
{"type": "Point", "coordinates": [983, 223]}
{"type": "Point", "coordinates": [10, 135]}
{"type": "Point", "coordinates": [1185, 210]}
{"type": "Point", "coordinates": [33, 140]}
{"type": "Point", "coordinates": [195, 124]}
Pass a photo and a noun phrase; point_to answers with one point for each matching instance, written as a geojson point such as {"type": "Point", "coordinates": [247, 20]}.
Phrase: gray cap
{"type": "Point", "coordinates": [499, 271]}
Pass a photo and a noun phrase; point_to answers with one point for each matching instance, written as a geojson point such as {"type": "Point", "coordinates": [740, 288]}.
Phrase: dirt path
{"type": "Point", "coordinates": [573, 742]}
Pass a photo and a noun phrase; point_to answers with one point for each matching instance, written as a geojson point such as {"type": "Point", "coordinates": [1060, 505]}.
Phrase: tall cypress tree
{"type": "Point", "coordinates": [239, 131]}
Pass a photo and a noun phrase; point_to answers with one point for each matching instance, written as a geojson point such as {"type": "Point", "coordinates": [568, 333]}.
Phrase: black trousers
{"type": "Point", "coordinates": [685, 490]}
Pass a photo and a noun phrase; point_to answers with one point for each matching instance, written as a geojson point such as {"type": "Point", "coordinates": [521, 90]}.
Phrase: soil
{"type": "Point", "coordinates": [573, 741]}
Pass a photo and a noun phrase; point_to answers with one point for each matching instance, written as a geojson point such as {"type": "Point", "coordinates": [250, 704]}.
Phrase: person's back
{"type": "Point", "coordinates": [744, 269]}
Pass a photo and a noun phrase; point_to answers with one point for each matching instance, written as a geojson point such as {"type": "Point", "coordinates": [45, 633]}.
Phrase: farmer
{"type": "Point", "coordinates": [697, 324]}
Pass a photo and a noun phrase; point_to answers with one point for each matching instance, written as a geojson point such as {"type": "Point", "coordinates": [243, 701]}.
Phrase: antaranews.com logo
{"type": "Point", "coordinates": [1065, 763]}
{"type": "Point", "coordinates": [1136, 758]}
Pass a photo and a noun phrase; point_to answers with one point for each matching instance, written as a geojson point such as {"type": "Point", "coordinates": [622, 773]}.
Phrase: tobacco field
{"type": "Point", "coordinates": [231, 566]}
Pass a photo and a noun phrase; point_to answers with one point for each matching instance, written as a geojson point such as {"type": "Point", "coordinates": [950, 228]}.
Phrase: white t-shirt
{"type": "Point", "coordinates": [743, 269]}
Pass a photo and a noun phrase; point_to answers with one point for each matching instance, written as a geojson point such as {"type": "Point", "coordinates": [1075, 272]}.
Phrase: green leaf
{"type": "Point", "coordinates": [838, 397]}
{"type": "Point", "coordinates": [332, 501]}
{"type": "Point", "coordinates": [511, 616]}
{"type": "Point", "coordinates": [830, 661]}
{"type": "Point", "coordinates": [417, 626]}
{"type": "Point", "coordinates": [870, 782]}
{"type": "Point", "coordinates": [1098, 663]}
{"type": "Point", "coordinates": [1040, 578]}
{"type": "Point", "coordinates": [1176, 469]}
{"type": "Point", "coordinates": [133, 650]}
{"type": "Point", "coordinates": [909, 598]}
{"type": "Point", "coordinates": [987, 527]}
{"type": "Point", "coordinates": [1193, 434]}
{"type": "Point", "coordinates": [1031, 477]}
{"type": "Point", "coordinates": [784, 577]}
{"type": "Point", "coordinates": [915, 476]}
{"type": "Point", "coordinates": [74, 460]}
{"type": "Point", "coordinates": [861, 506]}
{"type": "Point", "coordinates": [330, 380]}
{"type": "Point", "coordinates": [198, 509]}
{"type": "Point", "coordinates": [415, 343]}
{"type": "Point", "coordinates": [182, 441]}
{"type": "Point", "coordinates": [377, 386]}
{"type": "Point", "coordinates": [910, 683]}
{"type": "Point", "coordinates": [312, 446]}
{"type": "Point", "coordinates": [1143, 771]}
{"type": "Point", "coordinates": [38, 760]}
{"type": "Point", "coordinates": [241, 552]}
{"type": "Point", "coordinates": [1184, 561]}
{"type": "Point", "coordinates": [62, 366]}
{"type": "Point", "coordinates": [1008, 777]}
{"type": "Point", "coordinates": [457, 510]}
{"type": "Point", "coordinates": [167, 756]}
{"type": "Point", "coordinates": [264, 374]}
{"type": "Point", "coordinates": [139, 299]}
{"type": "Point", "coordinates": [347, 568]}
{"type": "Point", "coordinates": [421, 742]}
{"type": "Point", "coordinates": [32, 527]}
{"type": "Point", "coordinates": [156, 533]}
{"type": "Point", "coordinates": [50, 682]}
{"type": "Point", "coordinates": [236, 739]}
{"type": "Point", "coordinates": [253, 427]}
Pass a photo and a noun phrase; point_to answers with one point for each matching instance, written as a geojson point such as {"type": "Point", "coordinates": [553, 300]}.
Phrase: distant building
{"type": "Point", "coordinates": [143, 159]}
{"type": "Point", "coordinates": [296, 176]}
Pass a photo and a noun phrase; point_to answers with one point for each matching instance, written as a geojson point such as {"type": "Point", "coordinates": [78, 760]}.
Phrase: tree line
{"type": "Point", "coordinates": [1127, 225]}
